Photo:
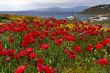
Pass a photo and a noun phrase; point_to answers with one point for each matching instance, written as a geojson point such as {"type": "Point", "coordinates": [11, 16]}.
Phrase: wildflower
{"type": "Point", "coordinates": [29, 50]}
{"type": "Point", "coordinates": [102, 61]}
{"type": "Point", "coordinates": [98, 46]}
{"type": "Point", "coordinates": [39, 65]}
{"type": "Point", "coordinates": [20, 69]}
{"type": "Point", "coordinates": [45, 46]}
{"type": "Point", "coordinates": [71, 54]}
{"type": "Point", "coordinates": [31, 40]}
{"type": "Point", "coordinates": [77, 49]}
{"type": "Point", "coordinates": [23, 53]}
{"type": "Point", "coordinates": [32, 56]}
{"type": "Point", "coordinates": [24, 43]}
{"type": "Point", "coordinates": [58, 41]}
{"type": "Point", "coordinates": [89, 48]}
{"type": "Point", "coordinates": [47, 69]}
{"type": "Point", "coordinates": [11, 51]}
{"type": "Point", "coordinates": [4, 52]}
{"type": "Point", "coordinates": [68, 38]}
{"type": "Point", "coordinates": [105, 42]}
{"type": "Point", "coordinates": [16, 56]}
{"type": "Point", "coordinates": [53, 34]}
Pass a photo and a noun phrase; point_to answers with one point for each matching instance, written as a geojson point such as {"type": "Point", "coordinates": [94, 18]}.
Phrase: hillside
{"type": "Point", "coordinates": [99, 9]}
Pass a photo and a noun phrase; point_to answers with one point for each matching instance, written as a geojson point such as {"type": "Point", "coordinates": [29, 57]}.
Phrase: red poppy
{"type": "Point", "coordinates": [24, 43]}
{"type": "Point", "coordinates": [39, 65]}
{"type": "Point", "coordinates": [20, 69]}
{"type": "Point", "coordinates": [4, 52]}
{"type": "Point", "coordinates": [31, 40]}
{"type": "Point", "coordinates": [23, 53]}
{"type": "Point", "coordinates": [47, 69]}
{"type": "Point", "coordinates": [45, 46]}
{"type": "Point", "coordinates": [11, 51]}
{"type": "Point", "coordinates": [16, 56]}
{"type": "Point", "coordinates": [46, 32]}
{"type": "Point", "coordinates": [77, 49]}
{"type": "Point", "coordinates": [105, 42]}
{"type": "Point", "coordinates": [89, 48]}
{"type": "Point", "coordinates": [68, 38]}
{"type": "Point", "coordinates": [32, 56]}
{"type": "Point", "coordinates": [29, 50]}
{"type": "Point", "coordinates": [41, 36]}
{"type": "Point", "coordinates": [53, 34]}
{"type": "Point", "coordinates": [102, 61]}
{"type": "Point", "coordinates": [58, 41]}
{"type": "Point", "coordinates": [98, 46]}
{"type": "Point", "coordinates": [71, 54]}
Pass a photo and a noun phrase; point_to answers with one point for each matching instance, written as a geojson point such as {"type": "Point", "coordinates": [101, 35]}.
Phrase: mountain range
{"type": "Point", "coordinates": [58, 9]}
{"type": "Point", "coordinates": [51, 9]}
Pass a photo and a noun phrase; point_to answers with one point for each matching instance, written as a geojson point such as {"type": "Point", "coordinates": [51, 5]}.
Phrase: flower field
{"type": "Point", "coordinates": [49, 45]}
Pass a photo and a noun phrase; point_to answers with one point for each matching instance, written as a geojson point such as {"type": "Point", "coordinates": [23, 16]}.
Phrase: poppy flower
{"type": "Point", "coordinates": [24, 43]}
{"type": "Point", "coordinates": [73, 38]}
{"type": "Point", "coordinates": [11, 51]}
{"type": "Point", "coordinates": [58, 41]}
{"type": "Point", "coordinates": [77, 49]}
{"type": "Point", "coordinates": [39, 65]}
{"type": "Point", "coordinates": [16, 56]}
{"type": "Point", "coordinates": [32, 56]}
{"type": "Point", "coordinates": [29, 50]}
{"type": "Point", "coordinates": [53, 34]}
{"type": "Point", "coordinates": [71, 54]}
{"type": "Point", "coordinates": [47, 69]}
{"type": "Point", "coordinates": [4, 52]}
{"type": "Point", "coordinates": [98, 46]}
{"type": "Point", "coordinates": [45, 46]}
{"type": "Point", "coordinates": [89, 48]}
{"type": "Point", "coordinates": [46, 32]}
{"type": "Point", "coordinates": [31, 40]}
{"type": "Point", "coordinates": [105, 42]}
{"type": "Point", "coordinates": [68, 38]}
{"type": "Point", "coordinates": [102, 61]}
{"type": "Point", "coordinates": [23, 53]}
{"type": "Point", "coordinates": [41, 36]}
{"type": "Point", "coordinates": [20, 69]}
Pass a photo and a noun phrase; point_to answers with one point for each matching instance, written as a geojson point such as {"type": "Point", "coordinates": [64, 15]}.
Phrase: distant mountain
{"type": "Point", "coordinates": [58, 9]}
{"type": "Point", "coordinates": [49, 12]}
{"type": "Point", "coordinates": [80, 8]}
{"type": "Point", "coordinates": [99, 9]}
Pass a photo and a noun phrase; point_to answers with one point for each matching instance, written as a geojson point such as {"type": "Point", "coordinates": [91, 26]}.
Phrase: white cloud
{"type": "Point", "coordinates": [15, 5]}
{"type": "Point", "coordinates": [31, 4]}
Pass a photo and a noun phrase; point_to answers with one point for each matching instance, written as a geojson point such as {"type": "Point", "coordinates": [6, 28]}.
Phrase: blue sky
{"type": "Point", "coordinates": [17, 5]}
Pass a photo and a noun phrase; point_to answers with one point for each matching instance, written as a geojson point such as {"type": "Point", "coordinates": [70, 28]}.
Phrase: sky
{"type": "Point", "coordinates": [18, 5]}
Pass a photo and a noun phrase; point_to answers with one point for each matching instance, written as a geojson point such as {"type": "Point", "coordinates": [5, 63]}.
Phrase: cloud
{"type": "Point", "coordinates": [15, 5]}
